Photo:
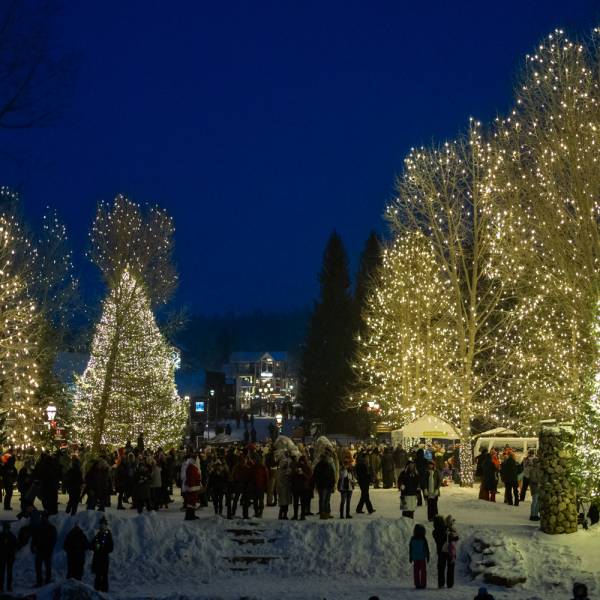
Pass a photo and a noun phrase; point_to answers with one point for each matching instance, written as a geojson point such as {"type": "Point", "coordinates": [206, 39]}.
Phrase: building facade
{"type": "Point", "coordinates": [264, 381]}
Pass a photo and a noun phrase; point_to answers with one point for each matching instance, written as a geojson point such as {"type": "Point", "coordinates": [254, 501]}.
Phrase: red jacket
{"type": "Point", "coordinates": [192, 484]}
{"type": "Point", "coordinates": [261, 477]}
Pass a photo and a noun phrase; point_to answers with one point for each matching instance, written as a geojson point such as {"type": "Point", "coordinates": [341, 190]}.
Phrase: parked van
{"type": "Point", "coordinates": [519, 445]}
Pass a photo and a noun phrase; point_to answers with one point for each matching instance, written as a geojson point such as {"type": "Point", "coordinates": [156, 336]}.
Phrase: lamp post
{"type": "Point", "coordinates": [211, 395]}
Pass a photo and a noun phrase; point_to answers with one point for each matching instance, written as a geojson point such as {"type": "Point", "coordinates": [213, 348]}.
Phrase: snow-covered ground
{"type": "Point", "coordinates": [158, 555]}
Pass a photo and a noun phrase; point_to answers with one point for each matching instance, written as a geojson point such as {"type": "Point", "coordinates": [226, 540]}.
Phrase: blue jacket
{"type": "Point", "coordinates": [418, 549]}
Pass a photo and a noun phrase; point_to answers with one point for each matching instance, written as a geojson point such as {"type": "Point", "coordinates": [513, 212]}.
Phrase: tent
{"type": "Point", "coordinates": [426, 427]}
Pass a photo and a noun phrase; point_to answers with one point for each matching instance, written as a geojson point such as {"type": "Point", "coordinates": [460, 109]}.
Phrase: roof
{"type": "Point", "coordinates": [245, 356]}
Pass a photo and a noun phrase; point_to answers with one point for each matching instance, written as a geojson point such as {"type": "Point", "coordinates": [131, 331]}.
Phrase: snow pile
{"type": "Point", "coordinates": [498, 560]}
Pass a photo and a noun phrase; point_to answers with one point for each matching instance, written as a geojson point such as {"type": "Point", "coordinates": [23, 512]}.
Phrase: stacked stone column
{"type": "Point", "coordinates": [558, 501]}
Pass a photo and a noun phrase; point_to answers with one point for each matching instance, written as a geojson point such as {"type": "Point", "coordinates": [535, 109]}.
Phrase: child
{"type": "Point", "coordinates": [418, 553]}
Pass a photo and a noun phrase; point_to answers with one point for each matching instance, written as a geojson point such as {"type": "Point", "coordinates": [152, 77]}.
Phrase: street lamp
{"type": "Point", "coordinates": [211, 394]}
{"type": "Point", "coordinates": [51, 412]}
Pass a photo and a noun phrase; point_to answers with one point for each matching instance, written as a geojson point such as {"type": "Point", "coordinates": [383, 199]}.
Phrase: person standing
{"type": "Point", "coordinates": [43, 540]}
{"type": "Point", "coordinates": [102, 546]}
{"type": "Point", "coordinates": [418, 555]}
{"type": "Point", "coordinates": [363, 478]}
{"type": "Point", "coordinates": [75, 545]}
{"type": "Point", "coordinates": [535, 479]}
{"type": "Point", "coordinates": [324, 476]}
{"type": "Point", "coordinates": [400, 460]}
{"type": "Point", "coordinates": [509, 472]}
{"type": "Point", "coordinates": [284, 486]}
{"type": "Point", "coordinates": [73, 483]}
{"type": "Point", "coordinates": [408, 484]}
{"type": "Point", "coordinates": [346, 483]}
{"type": "Point", "coordinates": [9, 477]}
{"type": "Point", "coordinates": [387, 468]}
{"type": "Point", "coordinates": [432, 490]}
{"type": "Point", "coordinates": [8, 551]}
{"type": "Point", "coordinates": [445, 537]}
{"type": "Point", "coordinates": [526, 467]}
{"type": "Point", "coordinates": [489, 470]}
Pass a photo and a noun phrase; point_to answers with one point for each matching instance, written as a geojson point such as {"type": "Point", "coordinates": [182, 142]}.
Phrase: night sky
{"type": "Point", "coordinates": [262, 126]}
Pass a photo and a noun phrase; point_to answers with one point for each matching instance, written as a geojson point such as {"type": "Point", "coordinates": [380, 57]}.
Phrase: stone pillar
{"type": "Point", "coordinates": [558, 504]}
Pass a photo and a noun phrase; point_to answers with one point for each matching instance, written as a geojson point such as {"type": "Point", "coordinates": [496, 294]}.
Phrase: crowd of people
{"type": "Point", "coordinates": [297, 479]}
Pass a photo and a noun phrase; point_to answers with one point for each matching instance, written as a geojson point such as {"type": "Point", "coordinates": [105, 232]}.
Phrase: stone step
{"type": "Point", "coordinates": [240, 532]}
{"type": "Point", "coordinates": [249, 559]}
{"type": "Point", "coordinates": [251, 541]}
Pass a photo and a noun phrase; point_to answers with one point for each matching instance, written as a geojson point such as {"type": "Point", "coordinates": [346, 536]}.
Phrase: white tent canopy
{"type": "Point", "coordinates": [428, 426]}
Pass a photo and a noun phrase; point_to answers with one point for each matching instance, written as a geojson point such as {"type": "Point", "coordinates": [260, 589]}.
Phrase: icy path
{"type": "Point", "coordinates": [158, 555]}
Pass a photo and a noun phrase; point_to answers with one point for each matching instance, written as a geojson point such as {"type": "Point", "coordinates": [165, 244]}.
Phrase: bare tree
{"type": "Point", "coordinates": [36, 75]}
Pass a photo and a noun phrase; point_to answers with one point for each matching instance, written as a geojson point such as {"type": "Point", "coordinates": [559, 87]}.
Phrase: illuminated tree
{"type": "Point", "coordinates": [587, 472]}
{"type": "Point", "coordinates": [19, 330]}
{"type": "Point", "coordinates": [443, 194]}
{"type": "Point", "coordinates": [128, 386]}
{"type": "Point", "coordinates": [406, 354]}
{"type": "Point", "coordinates": [544, 185]}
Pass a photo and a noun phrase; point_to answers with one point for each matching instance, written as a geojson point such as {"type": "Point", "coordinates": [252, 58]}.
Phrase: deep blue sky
{"type": "Point", "coordinates": [262, 126]}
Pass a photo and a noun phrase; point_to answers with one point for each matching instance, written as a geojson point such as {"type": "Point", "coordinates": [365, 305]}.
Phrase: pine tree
{"type": "Point", "coordinates": [370, 261]}
{"type": "Point", "coordinates": [19, 330]}
{"type": "Point", "coordinates": [128, 386]}
{"type": "Point", "coordinates": [325, 371]}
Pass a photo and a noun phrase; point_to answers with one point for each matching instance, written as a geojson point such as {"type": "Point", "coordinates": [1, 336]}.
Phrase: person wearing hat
{"type": "Point", "coordinates": [8, 550]}
{"type": "Point", "coordinates": [43, 540]}
{"type": "Point", "coordinates": [102, 546]}
{"type": "Point", "coordinates": [75, 545]}
{"type": "Point", "coordinates": [483, 595]}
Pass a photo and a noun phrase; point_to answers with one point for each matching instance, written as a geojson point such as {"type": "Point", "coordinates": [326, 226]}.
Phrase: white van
{"type": "Point", "coordinates": [519, 445]}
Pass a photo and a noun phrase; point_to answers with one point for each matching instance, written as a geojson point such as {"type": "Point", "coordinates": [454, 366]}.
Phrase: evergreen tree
{"type": "Point", "coordinates": [370, 261]}
{"type": "Point", "coordinates": [19, 332]}
{"type": "Point", "coordinates": [325, 372]}
{"type": "Point", "coordinates": [128, 386]}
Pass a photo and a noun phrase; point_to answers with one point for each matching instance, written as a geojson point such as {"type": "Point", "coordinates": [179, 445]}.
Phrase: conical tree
{"type": "Point", "coordinates": [325, 372]}
{"type": "Point", "coordinates": [19, 329]}
{"type": "Point", "coordinates": [370, 262]}
{"type": "Point", "coordinates": [128, 386]}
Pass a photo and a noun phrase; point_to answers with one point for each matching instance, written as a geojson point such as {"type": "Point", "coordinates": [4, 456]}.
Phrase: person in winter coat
{"type": "Point", "coordinates": [387, 468]}
{"type": "Point", "coordinates": [73, 482]}
{"type": "Point", "coordinates": [324, 477]}
{"type": "Point", "coordinates": [155, 484]}
{"type": "Point", "coordinates": [483, 492]}
{"type": "Point", "coordinates": [8, 551]}
{"type": "Point", "coordinates": [526, 467]}
{"type": "Point", "coordinates": [261, 478]}
{"type": "Point", "coordinates": [75, 545]}
{"type": "Point", "coordinates": [400, 459]}
{"type": "Point", "coordinates": [421, 463]}
{"type": "Point", "coordinates": [364, 479]}
{"type": "Point", "coordinates": [242, 487]}
{"type": "Point", "coordinates": [271, 464]}
{"type": "Point", "coordinates": [346, 483]}
{"type": "Point", "coordinates": [445, 537]}
{"type": "Point", "coordinates": [122, 481]}
{"type": "Point", "coordinates": [483, 594]}
{"type": "Point", "coordinates": [301, 487]}
{"type": "Point", "coordinates": [47, 473]}
{"type": "Point", "coordinates": [535, 479]}
{"type": "Point", "coordinates": [141, 485]}
{"type": "Point", "coordinates": [284, 486]}
{"type": "Point", "coordinates": [418, 555]}
{"type": "Point", "coordinates": [408, 484]}
{"type": "Point", "coordinates": [191, 486]}
{"type": "Point", "coordinates": [432, 490]}
{"type": "Point", "coordinates": [25, 485]}
{"type": "Point", "coordinates": [509, 471]}
{"type": "Point", "coordinates": [375, 464]}
{"type": "Point", "coordinates": [218, 485]}
{"type": "Point", "coordinates": [9, 477]}
{"type": "Point", "coordinates": [43, 540]}
{"type": "Point", "coordinates": [102, 546]}
{"type": "Point", "coordinates": [489, 470]}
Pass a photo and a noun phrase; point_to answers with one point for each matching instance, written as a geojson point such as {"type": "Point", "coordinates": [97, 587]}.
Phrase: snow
{"type": "Point", "coordinates": [158, 555]}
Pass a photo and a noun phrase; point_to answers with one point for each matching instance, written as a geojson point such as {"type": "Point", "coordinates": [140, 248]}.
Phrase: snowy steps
{"type": "Point", "coordinates": [248, 536]}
